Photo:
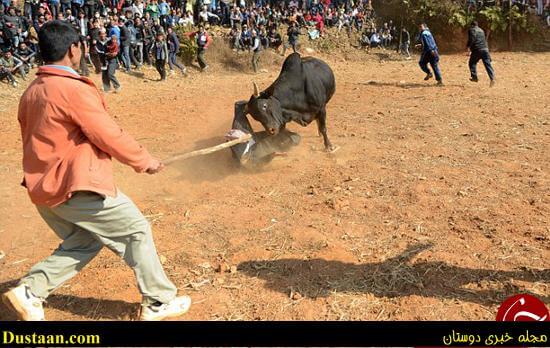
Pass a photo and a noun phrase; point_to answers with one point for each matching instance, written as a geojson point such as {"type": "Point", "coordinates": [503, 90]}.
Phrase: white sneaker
{"type": "Point", "coordinates": [26, 305]}
{"type": "Point", "coordinates": [175, 308]}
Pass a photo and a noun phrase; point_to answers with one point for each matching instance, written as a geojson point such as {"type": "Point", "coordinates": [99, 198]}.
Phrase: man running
{"type": "Point", "coordinates": [479, 50]}
{"type": "Point", "coordinates": [429, 54]}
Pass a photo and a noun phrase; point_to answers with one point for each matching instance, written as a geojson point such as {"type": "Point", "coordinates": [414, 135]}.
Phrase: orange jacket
{"type": "Point", "coordinates": [69, 138]}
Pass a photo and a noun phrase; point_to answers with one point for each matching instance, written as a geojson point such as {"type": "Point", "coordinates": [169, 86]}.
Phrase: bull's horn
{"type": "Point", "coordinates": [256, 90]}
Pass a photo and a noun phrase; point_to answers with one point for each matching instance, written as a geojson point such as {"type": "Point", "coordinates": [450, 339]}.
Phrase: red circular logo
{"type": "Point", "coordinates": [523, 307]}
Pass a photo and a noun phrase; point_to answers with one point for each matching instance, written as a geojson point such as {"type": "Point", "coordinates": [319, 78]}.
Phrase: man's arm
{"type": "Point", "coordinates": [20, 57]}
{"type": "Point", "coordinates": [470, 39]}
{"type": "Point", "coordinates": [104, 133]}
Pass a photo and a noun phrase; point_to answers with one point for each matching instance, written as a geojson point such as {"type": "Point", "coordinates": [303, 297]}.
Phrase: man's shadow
{"type": "Point", "coordinates": [394, 277]}
{"type": "Point", "coordinates": [90, 308]}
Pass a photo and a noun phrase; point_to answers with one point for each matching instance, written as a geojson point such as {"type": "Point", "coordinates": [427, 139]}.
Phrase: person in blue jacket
{"type": "Point", "coordinates": [429, 54]}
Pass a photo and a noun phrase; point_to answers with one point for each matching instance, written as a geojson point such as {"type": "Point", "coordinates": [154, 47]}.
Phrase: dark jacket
{"type": "Point", "coordinates": [160, 50]}
{"type": "Point", "coordinates": [124, 36]}
{"type": "Point", "coordinates": [476, 40]}
{"type": "Point", "coordinates": [173, 42]}
{"type": "Point", "coordinates": [406, 36]}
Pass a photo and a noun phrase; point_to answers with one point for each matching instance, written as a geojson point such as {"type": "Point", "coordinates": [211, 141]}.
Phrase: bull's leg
{"type": "Point", "coordinates": [322, 124]}
{"type": "Point", "coordinates": [318, 128]}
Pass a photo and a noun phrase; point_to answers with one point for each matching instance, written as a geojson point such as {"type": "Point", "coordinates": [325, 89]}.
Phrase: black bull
{"type": "Point", "coordinates": [299, 94]}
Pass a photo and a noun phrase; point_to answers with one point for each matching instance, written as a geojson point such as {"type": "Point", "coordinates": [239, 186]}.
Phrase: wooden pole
{"type": "Point", "coordinates": [186, 155]}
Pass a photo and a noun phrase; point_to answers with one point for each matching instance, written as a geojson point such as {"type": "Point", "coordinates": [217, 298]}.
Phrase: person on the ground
{"type": "Point", "coordinates": [365, 39]}
{"type": "Point", "coordinates": [207, 17]}
{"type": "Point", "coordinates": [246, 37]}
{"type": "Point", "coordinates": [13, 64]}
{"type": "Point", "coordinates": [5, 73]}
{"type": "Point", "coordinates": [68, 141]}
{"type": "Point", "coordinates": [263, 146]}
{"type": "Point", "coordinates": [27, 55]}
{"type": "Point", "coordinates": [375, 40]}
{"type": "Point", "coordinates": [430, 54]}
{"type": "Point", "coordinates": [479, 50]}
{"type": "Point", "coordinates": [275, 40]}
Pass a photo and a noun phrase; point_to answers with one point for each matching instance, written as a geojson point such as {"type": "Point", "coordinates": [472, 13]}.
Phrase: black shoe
{"type": "Point", "coordinates": [428, 76]}
{"type": "Point", "coordinates": [474, 79]}
{"type": "Point", "coordinates": [440, 83]}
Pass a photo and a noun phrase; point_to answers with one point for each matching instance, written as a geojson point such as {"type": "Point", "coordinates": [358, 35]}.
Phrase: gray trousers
{"type": "Point", "coordinates": [86, 223]}
{"type": "Point", "coordinates": [255, 60]}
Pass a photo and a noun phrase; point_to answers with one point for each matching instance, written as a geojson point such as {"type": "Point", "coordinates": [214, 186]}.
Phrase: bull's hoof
{"type": "Point", "coordinates": [332, 148]}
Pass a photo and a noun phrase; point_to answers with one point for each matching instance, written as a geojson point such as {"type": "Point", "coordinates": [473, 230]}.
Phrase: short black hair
{"type": "Point", "coordinates": [474, 24]}
{"type": "Point", "coordinates": [55, 38]}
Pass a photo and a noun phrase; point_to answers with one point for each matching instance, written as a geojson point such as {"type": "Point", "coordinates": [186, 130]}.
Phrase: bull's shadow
{"type": "Point", "coordinates": [90, 308]}
{"type": "Point", "coordinates": [394, 277]}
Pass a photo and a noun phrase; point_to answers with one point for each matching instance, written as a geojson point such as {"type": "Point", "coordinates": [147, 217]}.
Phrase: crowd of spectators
{"type": "Point", "coordinates": [126, 33]}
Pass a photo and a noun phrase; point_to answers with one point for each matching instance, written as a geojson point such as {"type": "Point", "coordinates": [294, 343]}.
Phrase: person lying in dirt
{"type": "Point", "coordinates": [262, 147]}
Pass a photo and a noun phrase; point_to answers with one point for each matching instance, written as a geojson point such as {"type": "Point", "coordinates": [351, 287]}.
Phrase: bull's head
{"type": "Point", "coordinates": [266, 110]}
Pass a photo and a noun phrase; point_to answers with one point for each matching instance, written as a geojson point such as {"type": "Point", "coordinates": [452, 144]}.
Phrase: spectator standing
{"type": "Point", "coordinates": [173, 49]}
{"type": "Point", "coordinates": [125, 44]}
{"type": "Point", "coordinates": [405, 42]}
{"type": "Point", "coordinates": [107, 49]}
{"type": "Point", "coordinates": [256, 49]}
{"type": "Point", "coordinates": [160, 52]}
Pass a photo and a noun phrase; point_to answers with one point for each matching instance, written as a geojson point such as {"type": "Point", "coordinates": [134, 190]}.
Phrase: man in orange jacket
{"type": "Point", "coordinates": [68, 141]}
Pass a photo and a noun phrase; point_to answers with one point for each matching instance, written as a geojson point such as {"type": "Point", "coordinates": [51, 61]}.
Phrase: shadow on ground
{"type": "Point", "coordinates": [394, 277]}
{"type": "Point", "coordinates": [90, 308]}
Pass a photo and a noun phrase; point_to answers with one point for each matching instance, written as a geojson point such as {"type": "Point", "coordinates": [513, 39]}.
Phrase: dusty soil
{"type": "Point", "coordinates": [436, 207]}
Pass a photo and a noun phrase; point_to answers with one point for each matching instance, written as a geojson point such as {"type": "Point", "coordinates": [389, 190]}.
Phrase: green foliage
{"type": "Point", "coordinates": [188, 46]}
{"type": "Point", "coordinates": [495, 17]}
{"type": "Point", "coordinates": [499, 19]}
{"type": "Point", "coordinates": [462, 18]}
{"type": "Point", "coordinates": [442, 15]}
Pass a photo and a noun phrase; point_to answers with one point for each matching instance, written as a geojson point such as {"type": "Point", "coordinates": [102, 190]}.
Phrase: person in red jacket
{"type": "Point", "coordinates": [319, 23]}
{"type": "Point", "coordinates": [203, 40]}
{"type": "Point", "coordinates": [68, 140]}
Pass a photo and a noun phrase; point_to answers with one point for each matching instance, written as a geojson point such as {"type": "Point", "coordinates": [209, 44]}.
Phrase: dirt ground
{"type": "Point", "coordinates": [436, 206]}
